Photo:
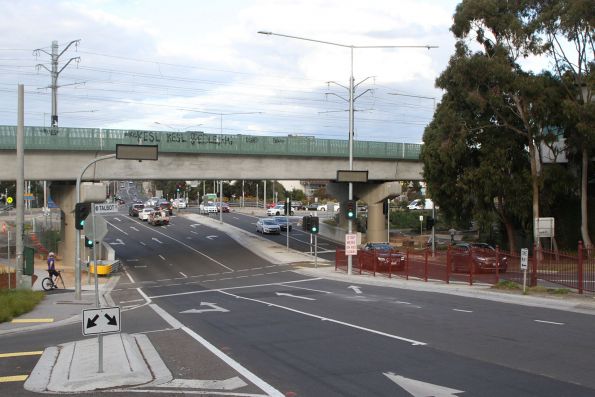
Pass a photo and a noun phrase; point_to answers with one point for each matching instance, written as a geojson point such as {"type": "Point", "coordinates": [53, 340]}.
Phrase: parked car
{"type": "Point", "coordinates": [421, 204]}
{"type": "Point", "coordinates": [158, 217]}
{"type": "Point", "coordinates": [297, 206]}
{"type": "Point", "coordinates": [267, 226]}
{"type": "Point", "coordinates": [222, 206]}
{"type": "Point", "coordinates": [483, 257]}
{"type": "Point", "coordinates": [277, 210]}
{"type": "Point", "coordinates": [282, 222]}
{"type": "Point", "coordinates": [143, 214]}
{"type": "Point", "coordinates": [386, 254]}
{"type": "Point", "coordinates": [134, 209]}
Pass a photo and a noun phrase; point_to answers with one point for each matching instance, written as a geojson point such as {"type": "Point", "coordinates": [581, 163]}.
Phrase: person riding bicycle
{"type": "Point", "coordinates": [52, 266]}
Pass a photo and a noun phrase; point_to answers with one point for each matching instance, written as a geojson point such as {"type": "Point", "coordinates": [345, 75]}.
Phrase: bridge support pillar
{"type": "Point", "coordinates": [374, 194]}
{"type": "Point", "coordinates": [64, 195]}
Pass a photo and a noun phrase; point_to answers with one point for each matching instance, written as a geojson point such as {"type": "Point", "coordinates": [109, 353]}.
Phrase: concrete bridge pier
{"type": "Point", "coordinates": [374, 194]}
{"type": "Point", "coordinates": [63, 194]}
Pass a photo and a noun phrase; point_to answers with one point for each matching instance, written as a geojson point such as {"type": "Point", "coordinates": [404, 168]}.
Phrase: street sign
{"type": "Point", "coordinates": [100, 228]}
{"type": "Point", "coordinates": [106, 208]}
{"type": "Point", "coordinates": [524, 258]}
{"type": "Point", "coordinates": [544, 227]}
{"type": "Point", "coordinates": [102, 320]}
{"type": "Point", "coordinates": [28, 196]}
{"type": "Point", "coordinates": [350, 244]}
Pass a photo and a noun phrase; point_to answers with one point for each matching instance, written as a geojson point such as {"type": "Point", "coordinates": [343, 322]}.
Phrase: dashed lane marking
{"type": "Point", "coordinates": [548, 322]}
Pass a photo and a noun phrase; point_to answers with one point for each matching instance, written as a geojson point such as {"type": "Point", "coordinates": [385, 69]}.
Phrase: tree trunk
{"type": "Point", "coordinates": [584, 195]}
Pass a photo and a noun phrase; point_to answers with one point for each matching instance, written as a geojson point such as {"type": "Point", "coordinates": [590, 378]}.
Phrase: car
{"type": "Point", "coordinates": [207, 208]}
{"type": "Point", "coordinates": [143, 214]}
{"type": "Point", "coordinates": [222, 206]}
{"type": "Point", "coordinates": [386, 254]}
{"type": "Point", "coordinates": [421, 204]}
{"type": "Point", "coordinates": [134, 209]}
{"type": "Point", "coordinates": [179, 203]}
{"type": "Point", "coordinates": [282, 222]}
{"type": "Point", "coordinates": [278, 210]}
{"type": "Point", "coordinates": [158, 217]}
{"type": "Point", "coordinates": [267, 226]}
{"type": "Point", "coordinates": [316, 207]}
{"type": "Point", "coordinates": [297, 206]}
{"type": "Point", "coordinates": [483, 257]}
{"type": "Point", "coordinates": [166, 206]}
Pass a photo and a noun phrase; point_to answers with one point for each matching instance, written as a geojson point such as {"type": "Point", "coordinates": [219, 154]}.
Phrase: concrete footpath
{"type": "Point", "coordinates": [131, 360]}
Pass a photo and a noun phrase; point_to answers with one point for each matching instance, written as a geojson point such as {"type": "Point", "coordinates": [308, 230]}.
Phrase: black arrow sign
{"type": "Point", "coordinates": [91, 323]}
{"type": "Point", "coordinates": [111, 320]}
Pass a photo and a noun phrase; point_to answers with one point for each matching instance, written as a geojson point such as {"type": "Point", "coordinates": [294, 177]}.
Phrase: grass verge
{"type": "Point", "coordinates": [13, 303]}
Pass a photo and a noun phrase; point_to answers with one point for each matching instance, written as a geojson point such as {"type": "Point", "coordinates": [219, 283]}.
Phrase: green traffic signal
{"type": "Point", "coordinates": [88, 242]}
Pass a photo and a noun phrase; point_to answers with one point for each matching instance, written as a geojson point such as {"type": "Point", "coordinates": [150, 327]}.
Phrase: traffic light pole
{"type": "Point", "coordinates": [77, 245]}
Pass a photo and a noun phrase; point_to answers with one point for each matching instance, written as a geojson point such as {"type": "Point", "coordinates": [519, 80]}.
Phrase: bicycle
{"type": "Point", "coordinates": [48, 283]}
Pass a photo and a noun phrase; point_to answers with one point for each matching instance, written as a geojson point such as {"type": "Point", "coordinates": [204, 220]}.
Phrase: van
{"type": "Point", "coordinates": [421, 204]}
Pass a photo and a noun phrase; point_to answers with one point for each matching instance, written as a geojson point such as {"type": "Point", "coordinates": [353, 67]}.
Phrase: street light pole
{"type": "Point", "coordinates": [351, 100]}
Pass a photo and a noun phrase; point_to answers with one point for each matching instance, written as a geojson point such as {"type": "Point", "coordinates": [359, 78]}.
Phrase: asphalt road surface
{"type": "Point", "coordinates": [205, 302]}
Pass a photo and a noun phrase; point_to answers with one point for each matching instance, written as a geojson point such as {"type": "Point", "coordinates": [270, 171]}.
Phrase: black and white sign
{"type": "Point", "coordinates": [524, 258]}
{"type": "Point", "coordinates": [101, 321]}
{"type": "Point", "coordinates": [106, 208]}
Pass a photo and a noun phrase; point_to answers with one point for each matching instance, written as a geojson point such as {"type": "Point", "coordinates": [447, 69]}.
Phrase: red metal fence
{"type": "Point", "coordinates": [478, 265]}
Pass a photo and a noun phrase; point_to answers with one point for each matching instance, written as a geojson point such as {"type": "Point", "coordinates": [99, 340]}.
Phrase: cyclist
{"type": "Point", "coordinates": [52, 267]}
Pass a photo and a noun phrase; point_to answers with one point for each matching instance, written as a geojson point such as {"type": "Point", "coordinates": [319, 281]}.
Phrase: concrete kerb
{"type": "Point", "coordinates": [266, 249]}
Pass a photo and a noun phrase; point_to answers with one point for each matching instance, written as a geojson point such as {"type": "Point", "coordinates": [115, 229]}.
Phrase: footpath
{"type": "Point", "coordinates": [132, 360]}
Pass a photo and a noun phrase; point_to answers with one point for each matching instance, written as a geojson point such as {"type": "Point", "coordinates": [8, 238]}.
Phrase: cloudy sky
{"type": "Point", "coordinates": [201, 65]}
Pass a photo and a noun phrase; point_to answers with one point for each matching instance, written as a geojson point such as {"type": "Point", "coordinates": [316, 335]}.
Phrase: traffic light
{"type": "Point", "coordinates": [385, 207]}
{"type": "Point", "coordinates": [306, 223]}
{"type": "Point", "coordinates": [350, 209]}
{"type": "Point", "coordinates": [287, 206]}
{"type": "Point", "coordinates": [313, 225]}
{"type": "Point", "coordinates": [430, 222]}
{"type": "Point", "coordinates": [81, 212]}
{"type": "Point", "coordinates": [88, 242]}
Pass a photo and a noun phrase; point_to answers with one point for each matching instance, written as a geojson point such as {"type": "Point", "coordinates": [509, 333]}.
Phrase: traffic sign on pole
{"type": "Point", "coordinates": [106, 208]}
{"type": "Point", "coordinates": [101, 320]}
{"type": "Point", "coordinates": [350, 244]}
{"type": "Point", "coordinates": [100, 230]}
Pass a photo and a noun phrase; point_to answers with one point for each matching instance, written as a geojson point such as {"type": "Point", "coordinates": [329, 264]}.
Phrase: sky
{"type": "Point", "coordinates": [184, 65]}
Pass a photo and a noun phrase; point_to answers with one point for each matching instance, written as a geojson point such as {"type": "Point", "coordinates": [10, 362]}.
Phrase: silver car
{"type": "Point", "coordinates": [268, 226]}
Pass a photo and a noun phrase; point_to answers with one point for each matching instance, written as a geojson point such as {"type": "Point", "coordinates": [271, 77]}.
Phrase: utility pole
{"type": "Point", "coordinates": [54, 73]}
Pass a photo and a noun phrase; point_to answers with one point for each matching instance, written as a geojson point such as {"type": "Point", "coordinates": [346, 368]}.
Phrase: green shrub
{"type": "Point", "coordinates": [506, 284]}
{"type": "Point", "coordinates": [13, 303]}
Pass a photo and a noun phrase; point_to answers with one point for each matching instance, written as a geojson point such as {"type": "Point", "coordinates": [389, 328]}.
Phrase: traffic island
{"type": "Point", "coordinates": [128, 360]}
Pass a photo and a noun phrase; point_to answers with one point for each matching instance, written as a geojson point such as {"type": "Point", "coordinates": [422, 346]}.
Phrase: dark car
{"type": "Point", "coordinates": [282, 222]}
{"type": "Point", "coordinates": [386, 254]}
{"type": "Point", "coordinates": [222, 207]}
{"type": "Point", "coordinates": [166, 206]}
{"type": "Point", "coordinates": [482, 256]}
{"type": "Point", "coordinates": [133, 209]}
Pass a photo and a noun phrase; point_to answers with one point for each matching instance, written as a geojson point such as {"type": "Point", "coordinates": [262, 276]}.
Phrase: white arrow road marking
{"type": "Point", "coordinates": [421, 389]}
{"type": "Point", "coordinates": [118, 242]}
{"type": "Point", "coordinates": [161, 256]}
{"type": "Point", "coordinates": [133, 228]}
{"type": "Point", "coordinates": [226, 384]}
{"type": "Point", "coordinates": [355, 289]}
{"type": "Point", "coordinates": [213, 308]}
{"type": "Point", "coordinates": [194, 225]}
{"type": "Point", "coordinates": [294, 296]}
{"type": "Point", "coordinates": [192, 231]}
{"type": "Point", "coordinates": [118, 219]}
{"type": "Point", "coordinates": [212, 237]}
{"type": "Point", "coordinates": [156, 239]}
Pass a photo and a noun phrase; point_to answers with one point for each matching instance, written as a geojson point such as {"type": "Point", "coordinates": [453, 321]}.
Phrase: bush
{"type": "Point", "coordinates": [13, 303]}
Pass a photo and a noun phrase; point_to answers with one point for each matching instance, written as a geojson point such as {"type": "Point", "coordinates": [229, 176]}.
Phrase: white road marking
{"type": "Point", "coordinates": [548, 322]}
{"type": "Point", "coordinates": [156, 239]}
{"type": "Point", "coordinates": [412, 341]}
{"type": "Point", "coordinates": [192, 231]}
{"type": "Point", "coordinates": [129, 276]}
{"type": "Point", "coordinates": [421, 389]}
{"type": "Point", "coordinates": [142, 243]}
{"type": "Point", "coordinates": [133, 228]}
{"type": "Point", "coordinates": [194, 225]}
{"type": "Point", "coordinates": [212, 237]}
{"type": "Point", "coordinates": [161, 256]}
{"type": "Point", "coordinates": [294, 296]}
{"type": "Point", "coordinates": [118, 242]}
{"type": "Point", "coordinates": [463, 311]}
{"type": "Point", "coordinates": [232, 288]}
{"type": "Point", "coordinates": [213, 308]}
{"type": "Point", "coordinates": [133, 300]}
{"type": "Point", "coordinates": [118, 219]}
{"type": "Point", "coordinates": [117, 228]}
{"type": "Point", "coordinates": [183, 275]}
{"type": "Point", "coordinates": [308, 289]}
{"type": "Point", "coordinates": [355, 289]}
{"type": "Point", "coordinates": [225, 384]}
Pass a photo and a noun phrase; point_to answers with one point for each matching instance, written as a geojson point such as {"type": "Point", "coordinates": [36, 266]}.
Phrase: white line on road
{"type": "Point", "coordinates": [118, 219]}
{"type": "Point", "coordinates": [133, 228]}
{"type": "Point", "coordinates": [548, 322]}
{"type": "Point", "coordinates": [142, 243]}
{"type": "Point", "coordinates": [463, 311]}
{"type": "Point", "coordinates": [294, 296]}
{"type": "Point", "coordinates": [309, 289]}
{"type": "Point", "coordinates": [192, 231]}
{"type": "Point", "coordinates": [117, 228]}
{"type": "Point", "coordinates": [133, 300]}
{"type": "Point", "coordinates": [161, 256]}
{"type": "Point", "coordinates": [185, 276]}
{"type": "Point", "coordinates": [412, 341]}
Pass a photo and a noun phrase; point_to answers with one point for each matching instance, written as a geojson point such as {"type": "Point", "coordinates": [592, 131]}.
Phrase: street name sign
{"type": "Point", "coordinates": [102, 320]}
{"type": "Point", "coordinates": [106, 208]}
{"type": "Point", "coordinates": [350, 244]}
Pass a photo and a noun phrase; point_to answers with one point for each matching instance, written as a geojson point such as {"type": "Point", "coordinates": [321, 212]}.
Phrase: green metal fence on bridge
{"type": "Point", "coordinates": [94, 139]}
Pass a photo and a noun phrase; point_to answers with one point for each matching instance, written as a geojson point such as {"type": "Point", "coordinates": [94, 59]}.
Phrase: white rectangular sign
{"type": "Point", "coordinates": [524, 258]}
{"type": "Point", "coordinates": [106, 208]}
{"type": "Point", "coordinates": [101, 321]}
{"type": "Point", "coordinates": [350, 244]}
{"type": "Point", "coordinates": [544, 227]}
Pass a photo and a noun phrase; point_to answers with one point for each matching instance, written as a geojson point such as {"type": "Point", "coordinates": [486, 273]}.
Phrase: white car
{"type": "Point", "coordinates": [268, 226]}
{"type": "Point", "coordinates": [420, 204]}
{"type": "Point", "coordinates": [143, 215]}
{"type": "Point", "coordinates": [277, 210]}
{"type": "Point", "coordinates": [208, 208]}
{"type": "Point", "coordinates": [179, 203]}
